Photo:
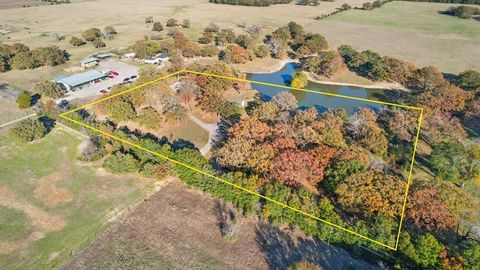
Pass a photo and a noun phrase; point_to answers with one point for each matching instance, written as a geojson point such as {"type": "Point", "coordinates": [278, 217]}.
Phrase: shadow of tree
{"type": "Point", "coordinates": [282, 250]}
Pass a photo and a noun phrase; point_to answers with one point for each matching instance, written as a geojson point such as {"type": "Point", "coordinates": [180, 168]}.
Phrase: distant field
{"type": "Point", "coordinates": [52, 205]}
{"type": "Point", "coordinates": [413, 31]}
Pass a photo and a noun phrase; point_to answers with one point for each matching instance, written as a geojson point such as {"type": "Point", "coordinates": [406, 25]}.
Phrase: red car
{"type": "Point", "coordinates": [97, 81]}
{"type": "Point", "coordinates": [103, 91]}
{"type": "Point", "coordinates": [114, 73]}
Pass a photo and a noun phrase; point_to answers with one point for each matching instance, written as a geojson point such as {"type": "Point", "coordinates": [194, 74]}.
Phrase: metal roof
{"type": "Point", "coordinates": [88, 60]}
{"type": "Point", "coordinates": [105, 55]}
{"type": "Point", "coordinates": [82, 78]}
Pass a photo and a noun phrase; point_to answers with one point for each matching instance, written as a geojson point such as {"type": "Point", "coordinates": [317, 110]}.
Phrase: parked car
{"type": "Point", "coordinates": [97, 80]}
{"type": "Point", "coordinates": [126, 79]}
{"type": "Point", "coordinates": [114, 73]}
{"type": "Point", "coordinates": [103, 91]}
{"type": "Point", "coordinates": [133, 77]}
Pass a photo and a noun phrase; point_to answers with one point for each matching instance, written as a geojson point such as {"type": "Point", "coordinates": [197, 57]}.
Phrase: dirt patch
{"type": "Point", "coordinates": [51, 195]}
{"type": "Point", "coordinates": [41, 221]}
{"type": "Point", "coordinates": [47, 192]}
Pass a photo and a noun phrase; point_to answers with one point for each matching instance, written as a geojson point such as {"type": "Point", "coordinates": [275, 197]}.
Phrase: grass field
{"type": "Point", "coordinates": [52, 205]}
{"type": "Point", "coordinates": [177, 228]}
{"type": "Point", "coordinates": [413, 31]}
{"type": "Point", "coordinates": [426, 38]}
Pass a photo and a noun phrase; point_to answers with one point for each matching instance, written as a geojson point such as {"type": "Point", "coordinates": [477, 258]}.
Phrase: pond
{"type": "Point", "coordinates": [320, 101]}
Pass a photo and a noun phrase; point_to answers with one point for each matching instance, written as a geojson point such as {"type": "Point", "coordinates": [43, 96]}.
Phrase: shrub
{"type": "Point", "coordinates": [122, 163]}
{"type": "Point", "coordinates": [186, 23]}
{"type": "Point", "coordinates": [28, 130]}
{"type": "Point", "coordinates": [261, 51]}
{"type": "Point", "coordinates": [49, 89]}
{"type": "Point", "coordinates": [75, 41]}
{"type": "Point", "coordinates": [92, 34]}
{"type": "Point", "coordinates": [172, 22]}
{"type": "Point", "coordinates": [157, 27]}
{"type": "Point", "coordinates": [24, 100]}
{"type": "Point", "coordinates": [98, 43]}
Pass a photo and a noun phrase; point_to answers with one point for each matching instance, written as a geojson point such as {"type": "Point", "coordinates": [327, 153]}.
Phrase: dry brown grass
{"type": "Point", "coordinates": [40, 220]}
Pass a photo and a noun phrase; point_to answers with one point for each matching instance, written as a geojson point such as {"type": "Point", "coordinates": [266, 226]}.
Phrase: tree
{"type": "Point", "coordinates": [261, 51]}
{"type": "Point", "coordinates": [212, 27]}
{"type": "Point", "coordinates": [225, 36]}
{"type": "Point", "coordinates": [425, 79]}
{"type": "Point", "coordinates": [92, 34]}
{"type": "Point", "coordinates": [157, 27]}
{"type": "Point", "coordinates": [98, 43]}
{"type": "Point", "coordinates": [75, 41]}
{"type": "Point", "coordinates": [428, 212]}
{"type": "Point", "coordinates": [209, 50]}
{"type": "Point", "coordinates": [250, 128]}
{"type": "Point", "coordinates": [186, 23]}
{"type": "Point", "coordinates": [230, 109]}
{"type": "Point", "coordinates": [235, 54]}
{"type": "Point", "coordinates": [427, 250]}
{"type": "Point", "coordinates": [122, 163]}
{"type": "Point", "coordinates": [300, 80]}
{"type": "Point", "coordinates": [313, 44]}
{"type": "Point", "coordinates": [372, 192]}
{"type": "Point", "coordinates": [365, 131]}
{"type": "Point", "coordinates": [326, 63]}
{"type": "Point", "coordinates": [471, 253]}
{"type": "Point", "coordinates": [338, 171]}
{"type": "Point", "coordinates": [28, 130]}
{"type": "Point", "coordinates": [453, 162]}
{"type": "Point", "coordinates": [110, 30]}
{"type": "Point", "coordinates": [285, 101]}
{"type": "Point", "coordinates": [469, 79]}
{"type": "Point", "coordinates": [301, 168]}
{"type": "Point", "coordinates": [24, 100]}
{"type": "Point", "coordinates": [149, 118]}
{"type": "Point", "coordinates": [172, 22]}
{"type": "Point", "coordinates": [304, 265]}
{"type": "Point", "coordinates": [49, 89]}
{"type": "Point", "coordinates": [245, 41]}
{"type": "Point", "coordinates": [24, 60]}
{"type": "Point", "coordinates": [120, 110]}
{"type": "Point", "coordinates": [296, 31]}
{"type": "Point", "coordinates": [398, 70]}
{"type": "Point", "coordinates": [187, 91]}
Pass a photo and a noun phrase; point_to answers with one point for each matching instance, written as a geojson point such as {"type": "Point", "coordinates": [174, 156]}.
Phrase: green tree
{"type": "Point", "coordinates": [157, 27]}
{"type": "Point", "coordinates": [261, 51]}
{"type": "Point", "coordinates": [92, 34]}
{"type": "Point", "coordinates": [300, 80]}
{"type": "Point", "coordinates": [49, 89]}
{"type": "Point", "coordinates": [469, 79]}
{"type": "Point", "coordinates": [338, 171]}
{"type": "Point", "coordinates": [150, 118]}
{"type": "Point", "coordinates": [172, 22]}
{"type": "Point", "coordinates": [24, 60]}
{"type": "Point", "coordinates": [122, 163]}
{"type": "Point", "coordinates": [28, 130]}
{"type": "Point", "coordinates": [186, 23]}
{"type": "Point", "coordinates": [453, 162]}
{"type": "Point", "coordinates": [427, 250]}
{"type": "Point", "coordinates": [24, 100]}
{"type": "Point", "coordinates": [98, 43]}
{"type": "Point", "coordinates": [120, 110]}
{"type": "Point", "coordinates": [75, 41]}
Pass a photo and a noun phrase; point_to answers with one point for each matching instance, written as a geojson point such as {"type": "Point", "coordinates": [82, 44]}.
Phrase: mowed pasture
{"type": "Point", "coordinates": [409, 30]}
{"type": "Point", "coordinates": [412, 31]}
{"type": "Point", "coordinates": [178, 228]}
{"type": "Point", "coordinates": [52, 205]}
{"type": "Point", "coordinates": [34, 26]}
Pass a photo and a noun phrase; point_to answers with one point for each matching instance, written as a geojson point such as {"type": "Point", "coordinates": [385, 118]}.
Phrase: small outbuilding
{"type": "Point", "coordinates": [89, 62]}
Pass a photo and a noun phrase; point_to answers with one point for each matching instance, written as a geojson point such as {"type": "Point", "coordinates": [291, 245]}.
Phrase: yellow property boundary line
{"type": "Point", "coordinates": [395, 247]}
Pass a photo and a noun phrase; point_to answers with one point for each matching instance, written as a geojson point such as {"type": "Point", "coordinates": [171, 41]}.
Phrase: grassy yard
{"type": "Point", "coordinates": [414, 31]}
{"type": "Point", "coordinates": [53, 204]}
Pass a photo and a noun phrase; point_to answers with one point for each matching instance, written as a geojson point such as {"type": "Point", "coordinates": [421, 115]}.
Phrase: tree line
{"type": "Point", "coordinates": [19, 56]}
